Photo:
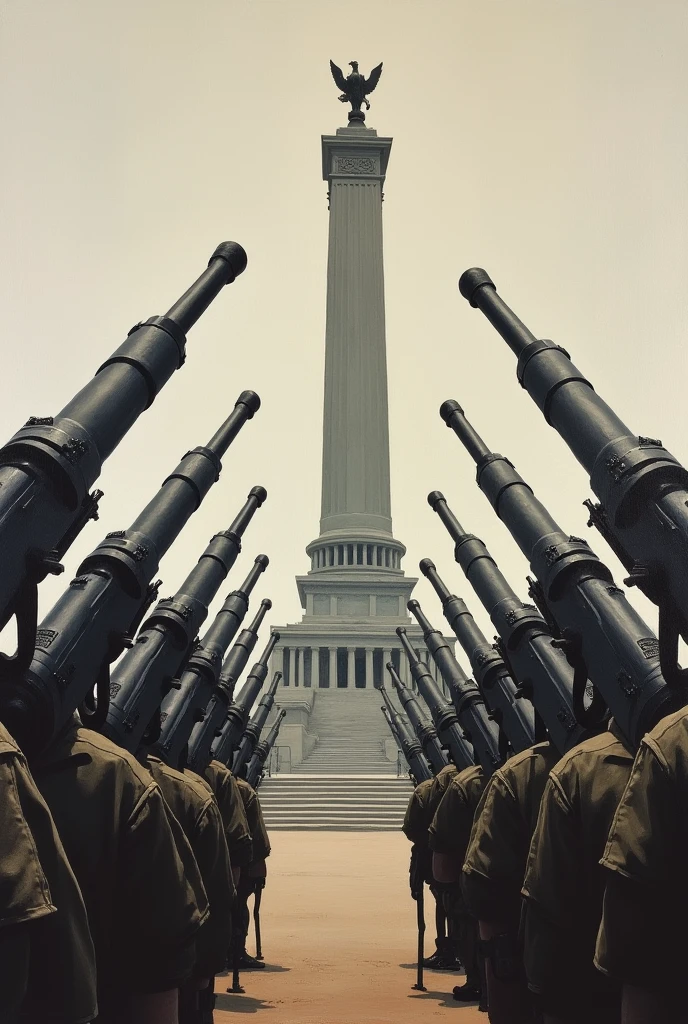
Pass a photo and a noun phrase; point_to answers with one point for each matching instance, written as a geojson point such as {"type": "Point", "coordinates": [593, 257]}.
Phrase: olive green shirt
{"type": "Point", "coordinates": [196, 810]}
{"type": "Point", "coordinates": [122, 843]}
{"type": "Point", "coordinates": [642, 938]}
{"type": "Point", "coordinates": [564, 884]}
{"type": "Point", "coordinates": [47, 961]}
{"type": "Point", "coordinates": [504, 823]}
{"type": "Point", "coordinates": [254, 817]}
{"type": "Point", "coordinates": [237, 833]}
{"type": "Point", "coordinates": [450, 829]}
{"type": "Point", "coordinates": [423, 804]}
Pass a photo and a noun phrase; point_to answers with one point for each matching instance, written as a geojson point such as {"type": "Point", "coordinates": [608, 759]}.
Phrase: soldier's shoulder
{"type": "Point", "coordinates": [8, 744]}
{"type": "Point", "coordinates": [110, 758]}
{"type": "Point", "coordinates": [198, 780]}
{"type": "Point", "coordinates": [669, 738]}
{"type": "Point", "coordinates": [587, 754]}
{"type": "Point", "coordinates": [186, 785]}
{"type": "Point", "coordinates": [538, 757]}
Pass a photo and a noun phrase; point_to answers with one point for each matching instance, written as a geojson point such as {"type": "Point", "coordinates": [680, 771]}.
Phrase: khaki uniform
{"type": "Point", "coordinates": [47, 962]}
{"type": "Point", "coordinates": [196, 810]}
{"type": "Point", "coordinates": [449, 833]}
{"type": "Point", "coordinates": [255, 820]}
{"type": "Point", "coordinates": [642, 939]}
{"type": "Point", "coordinates": [564, 883]}
{"type": "Point", "coordinates": [122, 843]}
{"type": "Point", "coordinates": [504, 823]}
{"type": "Point", "coordinates": [423, 804]}
{"type": "Point", "coordinates": [237, 833]}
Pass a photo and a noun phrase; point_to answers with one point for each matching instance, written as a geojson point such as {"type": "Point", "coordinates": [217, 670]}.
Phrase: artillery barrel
{"type": "Point", "coordinates": [512, 712]}
{"type": "Point", "coordinates": [249, 740]}
{"type": "Point", "coordinates": [143, 676]}
{"type": "Point", "coordinates": [189, 695]}
{"type": "Point", "coordinates": [254, 769]}
{"type": "Point", "coordinates": [642, 488]}
{"type": "Point", "coordinates": [542, 670]}
{"type": "Point", "coordinates": [424, 730]}
{"type": "Point", "coordinates": [91, 623]}
{"type": "Point", "coordinates": [402, 731]}
{"type": "Point", "coordinates": [48, 467]}
{"type": "Point", "coordinates": [618, 649]}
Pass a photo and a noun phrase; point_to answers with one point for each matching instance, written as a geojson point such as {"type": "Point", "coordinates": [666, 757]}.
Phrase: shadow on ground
{"type": "Point", "coordinates": [444, 999]}
{"type": "Point", "coordinates": [236, 1003]}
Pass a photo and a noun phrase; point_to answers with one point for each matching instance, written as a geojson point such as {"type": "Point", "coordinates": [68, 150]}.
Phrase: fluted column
{"type": "Point", "coordinates": [333, 667]}
{"type": "Point", "coordinates": [315, 667]}
{"type": "Point", "coordinates": [351, 667]}
{"type": "Point", "coordinates": [278, 662]}
{"type": "Point", "coordinates": [369, 677]}
{"type": "Point", "coordinates": [292, 666]}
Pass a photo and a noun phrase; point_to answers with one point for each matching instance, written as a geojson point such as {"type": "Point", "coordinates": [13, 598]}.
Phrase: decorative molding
{"type": "Point", "coordinates": [356, 165]}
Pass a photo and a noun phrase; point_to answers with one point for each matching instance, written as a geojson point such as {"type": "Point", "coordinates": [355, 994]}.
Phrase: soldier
{"type": "Point", "coordinates": [641, 942]}
{"type": "Point", "coordinates": [564, 883]}
{"type": "Point", "coordinates": [419, 814]}
{"type": "Point", "coordinates": [192, 802]}
{"type": "Point", "coordinates": [255, 873]}
{"type": "Point", "coordinates": [237, 834]}
{"type": "Point", "coordinates": [493, 873]}
{"type": "Point", "coordinates": [47, 962]}
{"type": "Point", "coordinates": [145, 904]}
{"type": "Point", "coordinates": [449, 834]}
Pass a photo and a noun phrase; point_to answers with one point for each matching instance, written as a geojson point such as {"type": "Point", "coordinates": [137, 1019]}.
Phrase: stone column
{"type": "Point", "coordinates": [386, 658]}
{"type": "Point", "coordinates": [333, 667]}
{"type": "Point", "coordinates": [315, 667]}
{"type": "Point", "coordinates": [278, 663]}
{"type": "Point", "coordinates": [292, 666]}
{"type": "Point", "coordinates": [351, 667]}
{"type": "Point", "coordinates": [369, 677]}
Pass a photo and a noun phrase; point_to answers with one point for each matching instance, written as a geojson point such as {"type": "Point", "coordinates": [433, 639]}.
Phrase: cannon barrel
{"type": "Point", "coordinates": [618, 650]}
{"type": "Point", "coordinates": [189, 695]}
{"type": "Point", "coordinates": [209, 724]}
{"type": "Point", "coordinates": [542, 670]}
{"type": "Point", "coordinates": [466, 717]}
{"type": "Point", "coordinates": [442, 713]}
{"type": "Point", "coordinates": [402, 730]}
{"type": "Point", "coordinates": [254, 769]}
{"type": "Point", "coordinates": [143, 676]}
{"type": "Point", "coordinates": [254, 727]}
{"type": "Point", "coordinates": [49, 465]}
{"type": "Point", "coordinates": [92, 622]}
{"type": "Point", "coordinates": [423, 728]}
{"type": "Point", "coordinates": [512, 712]}
{"type": "Point", "coordinates": [641, 487]}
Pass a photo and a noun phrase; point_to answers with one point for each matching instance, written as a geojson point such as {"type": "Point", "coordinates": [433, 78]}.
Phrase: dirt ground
{"type": "Point", "coordinates": [339, 938]}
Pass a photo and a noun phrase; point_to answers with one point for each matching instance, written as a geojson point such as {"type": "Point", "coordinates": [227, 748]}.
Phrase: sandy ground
{"type": "Point", "coordinates": [339, 938]}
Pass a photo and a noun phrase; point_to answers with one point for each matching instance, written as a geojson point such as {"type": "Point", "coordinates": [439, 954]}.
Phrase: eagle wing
{"type": "Point", "coordinates": [338, 76]}
{"type": "Point", "coordinates": [372, 79]}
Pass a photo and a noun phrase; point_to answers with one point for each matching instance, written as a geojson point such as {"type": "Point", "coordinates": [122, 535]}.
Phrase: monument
{"type": "Point", "coordinates": [355, 593]}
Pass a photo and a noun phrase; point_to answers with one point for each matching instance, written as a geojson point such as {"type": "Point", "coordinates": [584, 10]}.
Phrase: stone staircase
{"type": "Point", "coordinates": [347, 783]}
{"type": "Point", "coordinates": [302, 803]}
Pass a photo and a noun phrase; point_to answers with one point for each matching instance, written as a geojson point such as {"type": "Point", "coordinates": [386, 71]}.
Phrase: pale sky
{"type": "Point", "coordinates": [545, 141]}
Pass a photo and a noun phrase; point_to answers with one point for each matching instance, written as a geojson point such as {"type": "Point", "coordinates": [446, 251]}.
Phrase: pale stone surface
{"type": "Point", "coordinates": [339, 938]}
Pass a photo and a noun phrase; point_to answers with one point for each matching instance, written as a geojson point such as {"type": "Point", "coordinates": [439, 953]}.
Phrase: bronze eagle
{"type": "Point", "coordinates": [355, 87]}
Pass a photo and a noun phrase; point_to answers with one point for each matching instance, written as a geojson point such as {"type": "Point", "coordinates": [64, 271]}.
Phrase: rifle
{"type": "Point", "coordinates": [260, 885]}
{"type": "Point", "coordinates": [144, 675]}
{"type": "Point", "coordinates": [406, 738]}
{"type": "Point", "coordinates": [49, 466]}
{"type": "Point", "coordinates": [93, 621]}
{"type": "Point", "coordinates": [513, 714]}
{"type": "Point", "coordinates": [424, 730]}
{"type": "Point", "coordinates": [642, 489]}
{"type": "Point", "coordinates": [468, 707]}
{"type": "Point", "coordinates": [254, 769]}
{"type": "Point", "coordinates": [189, 695]}
{"type": "Point", "coordinates": [251, 736]}
{"type": "Point", "coordinates": [617, 651]}
{"type": "Point", "coordinates": [525, 639]}
{"type": "Point", "coordinates": [208, 738]}
{"type": "Point", "coordinates": [419, 897]}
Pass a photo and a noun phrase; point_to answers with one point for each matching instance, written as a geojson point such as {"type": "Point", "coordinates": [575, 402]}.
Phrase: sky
{"type": "Point", "coordinates": [545, 141]}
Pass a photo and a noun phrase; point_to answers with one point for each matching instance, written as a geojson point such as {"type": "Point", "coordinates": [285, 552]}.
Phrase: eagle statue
{"type": "Point", "coordinates": [355, 87]}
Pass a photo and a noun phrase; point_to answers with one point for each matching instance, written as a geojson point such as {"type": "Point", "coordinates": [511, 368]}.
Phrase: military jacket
{"type": "Point", "coordinates": [254, 818]}
{"type": "Point", "coordinates": [196, 810]}
{"type": "Point", "coordinates": [642, 938]}
{"type": "Point", "coordinates": [48, 965]}
{"type": "Point", "coordinates": [503, 827]}
{"type": "Point", "coordinates": [423, 804]}
{"type": "Point", "coordinates": [223, 785]}
{"type": "Point", "coordinates": [122, 843]}
{"type": "Point", "coordinates": [450, 829]}
{"type": "Point", "coordinates": [563, 884]}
